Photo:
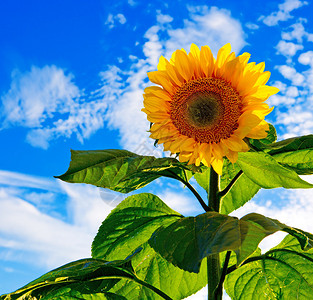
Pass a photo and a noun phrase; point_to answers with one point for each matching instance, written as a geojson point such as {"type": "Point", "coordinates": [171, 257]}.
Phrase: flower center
{"type": "Point", "coordinates": [203, 108]}
{"type": "Point", "coordinates": [206, 109]}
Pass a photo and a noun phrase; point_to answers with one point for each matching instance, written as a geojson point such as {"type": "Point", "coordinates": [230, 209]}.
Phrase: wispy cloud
{"type": "Point", "coordinates": [113, 19]}
{"type": "Point", "coordinates": [48, 103]}
{"type": "Point", "coordinates": [36, 236]}
{"type": "Point", "coordinates": [294, 111]}
{"type": "Point", "coordinates": [283, 13]}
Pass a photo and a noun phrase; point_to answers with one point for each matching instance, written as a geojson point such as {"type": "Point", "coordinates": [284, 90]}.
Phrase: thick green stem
{"type": "Point", "coordinates": [213, 261]}
{"type": "Point", "coordinates": [214, 199]}
{"type": "Point", "coordinates": [214, 274]}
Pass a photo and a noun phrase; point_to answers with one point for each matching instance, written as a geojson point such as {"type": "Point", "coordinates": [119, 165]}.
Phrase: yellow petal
{"type": "Point", "coordinates": [183, 156]}
{"type": "Point", "coordinates": [217, 165]}
{"type": "Point", "coordinates": [195, 51]}
{"type": "Point", "coordinates": [177, 144]}
{"type": "Point", "coordinates": [157, 92]}
{"type": "Point", "coordinates": [162, 63]}
{"type": "Point", "coordinates": [265, 91]}
{"type": "Point", "coordinates": [217, 151]}
{"type": "Point", "coordinates": [232, 156]}
{"type": "Point", "coordinates": [160, 77]}
{"type": "Point", "coordinates": [260, 131]}
{"type": "Point", "coordinates": [175, 77]}
{"type": "Point", "coordinates": [188, 144]}
{"type": "Point", "coordinates": [157, 116]}
{"type": "Point", "coordinates": [247, 121]}
{"type": "Point", "coordinates": [263, 78]}
{"type": "Point", "coordinates": [206, 154]}
{"type": "Point", "coordinates": [222, 55]}
{"type": "Point", "coordinates": [182, 65]}
{"type": "Point", "coordinates": [206, 61]}
{"type": "Point", "coordinates": [155, 104]}
{"type": "Point", "coordinates": [234, 143]}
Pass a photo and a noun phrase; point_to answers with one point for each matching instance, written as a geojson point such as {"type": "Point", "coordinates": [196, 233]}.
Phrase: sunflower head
{"type": "Point", "coordinates": [202, 108]}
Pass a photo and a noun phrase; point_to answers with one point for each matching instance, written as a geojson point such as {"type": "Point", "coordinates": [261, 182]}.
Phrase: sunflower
{"type": "Point", "coordinates": [203, 108]}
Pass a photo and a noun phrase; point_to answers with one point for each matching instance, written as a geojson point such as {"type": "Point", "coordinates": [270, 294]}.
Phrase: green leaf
{"type": "Point", "coordinates": [121, 170]}
{"type": "Point", "coordinates": [203, 179]}
{"type": "Point", "coordinates": [284, 272]}
{"type": "Point", "coordinates": [188, 240]}
{"type": "Point", "coordinates": [292, 144]}
{"type": "Point", "coordinates": [130, 225]}
{"type": "Point", "coordinates": [242, 191]}
{"type": "Point", "coordinates": [83, 279]}
{"type": "Point", "coordinates": [301, 161]}
{"type": "Point", "coordinates": [255, 227]}
{"type": "Point", "coordinates": [265, 171]}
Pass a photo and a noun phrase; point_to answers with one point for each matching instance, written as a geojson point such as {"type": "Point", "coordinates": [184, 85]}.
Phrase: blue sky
{"type": "Point", "coordinates": [72, 74]}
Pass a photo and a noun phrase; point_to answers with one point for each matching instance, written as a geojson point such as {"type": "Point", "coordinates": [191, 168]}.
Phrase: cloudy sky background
{"type": "Point", "coordinates": [72, 74]}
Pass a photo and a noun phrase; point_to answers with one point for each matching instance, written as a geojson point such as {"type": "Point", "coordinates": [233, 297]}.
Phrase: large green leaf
{"type": "Point", "coordinates": [129, 226]}
{"type": "Point", "coordinates": [284, 272]}
{"type": "Point", "coordinates": [203, 179]}
{"type": "Point", "coordinates": [121, 170]}
{"type": "Point", "coordinates": [241, 192]}
{"type": "Point", "coordinates": [188, 240]}
{"type": "Point", "coordinates": [266, 172]}
{"type": "Point", "coordinates": [292, 144]}
{"type": "Point", "coordinates": [83, 279]}
{"type": "Point", "coordinates": [301, 161]}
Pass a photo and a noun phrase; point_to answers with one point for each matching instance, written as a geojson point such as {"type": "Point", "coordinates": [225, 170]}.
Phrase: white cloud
{"type": "Point", "coordinates": [181, 202]}
{"type": "Point", "coordinates": [214, 27]}
{"type": "Point", "coordinates": [306, 58]}
{"type": "Point", "coordinates": [291, 74]}
{"type": "Point", "coordinates": [36, 95]}
{"type": "Point", "coordinates": [295, 115]}
{"type": "Point", "coordinates": [111, 20]}
{"type": "Point", "coordinates": [132, 2]}
{"type": "Point", "coordinates": [48, 103]}
{"type": "Point", "coordinates": [34, 236]}
{"type": "Point", "coordinates": [15, 179]}
{"type": "Point", "coordinates": [288, 49]}
{"type": "Point", "coordinates": [295, 209]}
{"type": "Point", "coordinates": [283, 14]}
{"type": "Point", "coordinates": [29, 235]}
{"type": "Point", "coordinates": [298, 32]}
{"type": "Point", "coordinates": [252, 26]}
{"type": "Point", "coordinates": [162, 19]}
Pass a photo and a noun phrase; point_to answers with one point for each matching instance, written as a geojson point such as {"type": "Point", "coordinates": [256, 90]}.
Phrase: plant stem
{"type": "Point", "coordinates": [214, 199]}
{"type": "Point", "coordinates": [213, 261]}
{"type": "Point", "coordinates": [192, 189]}
{"type": "Point", "coordinates": [153, 288]}
{"type": "Point", "coordinates": [219, 289]}
{"type": "Point", "coordinates": [230, 185]}
{"type": "Point", "coordinates": [201, 201]}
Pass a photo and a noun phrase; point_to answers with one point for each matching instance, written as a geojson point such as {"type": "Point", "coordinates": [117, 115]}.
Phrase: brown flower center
{"type": "Point", "coordinates": [206, 109]}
